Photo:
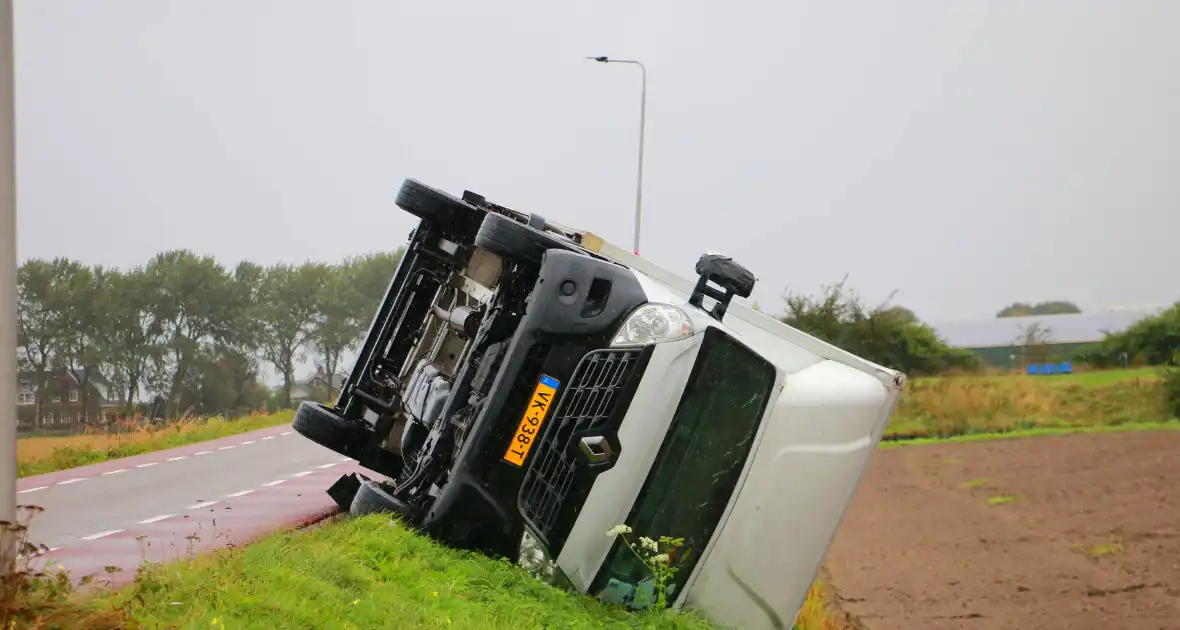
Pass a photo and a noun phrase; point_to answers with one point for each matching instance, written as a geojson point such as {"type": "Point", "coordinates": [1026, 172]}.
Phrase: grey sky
{"type": "Point", "coordinates": [967, 154]}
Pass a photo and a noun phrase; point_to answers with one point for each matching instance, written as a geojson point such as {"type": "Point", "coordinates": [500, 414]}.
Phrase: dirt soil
{"type": "Point", "coordinates": [1068, 532]}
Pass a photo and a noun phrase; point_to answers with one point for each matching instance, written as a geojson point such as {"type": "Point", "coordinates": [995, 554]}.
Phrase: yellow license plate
{"type": "Point", "coordinates": [530, 425]}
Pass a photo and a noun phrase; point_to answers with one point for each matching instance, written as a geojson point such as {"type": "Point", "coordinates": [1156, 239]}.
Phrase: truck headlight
{"type": "Point", "coordinates": [653, 323]}
{"type": "Point", "coordinates": [535, 560]}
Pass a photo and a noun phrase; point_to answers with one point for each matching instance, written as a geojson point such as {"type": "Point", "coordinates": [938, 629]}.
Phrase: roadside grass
{"type": "Point", "coordinates": [31, 598]}
{"type": "Point", "coordinates": [360, 573]}
{"type": "Point", "coordinates": [39, 455]}
{"type": "Point", "coordinates": [974, 483]}
{"type": "Point", "coordinates": [1086, 378]}
{"type": "Point", "coordinates": [963, 405]}
{"type": "Point", "coordinates": [1169, 425]}
{"type": "Point", "coordinates": [1100, 378]}
{"type": "Point", "coordinates": [817, 612]}
{"type": "Point", "coordinates": [353, 573]}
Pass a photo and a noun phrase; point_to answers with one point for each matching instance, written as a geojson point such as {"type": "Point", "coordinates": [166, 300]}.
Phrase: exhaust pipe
{"type": "Point", "coordinates": [461, 318]}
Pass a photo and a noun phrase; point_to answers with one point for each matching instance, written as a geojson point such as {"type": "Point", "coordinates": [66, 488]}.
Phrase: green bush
{"type": "Point", "coordinates": [1171, 384]}
{"type": "Point", "coordinates": [891, 336]}
{"type": "Point", "coordinates": [1152, 340]}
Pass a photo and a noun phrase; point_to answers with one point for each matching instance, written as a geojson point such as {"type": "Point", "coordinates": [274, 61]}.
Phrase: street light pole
{"type": "Point", "coordinates": [7, 289]}
{"type": "Point", "coordinates": [642, 123]}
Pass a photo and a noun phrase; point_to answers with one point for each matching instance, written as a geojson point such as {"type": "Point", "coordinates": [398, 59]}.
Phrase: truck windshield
{"type": "Point", "coordinates": [697, 468]}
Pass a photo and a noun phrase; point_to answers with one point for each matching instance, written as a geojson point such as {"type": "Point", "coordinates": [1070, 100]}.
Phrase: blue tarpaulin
{"type": "Point", "coordinates": [1065, 367]}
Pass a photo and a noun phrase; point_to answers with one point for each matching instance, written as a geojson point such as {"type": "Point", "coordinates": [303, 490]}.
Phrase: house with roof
{"type": "Point", "coordinates": [1003, 342]}
{"type": "Point", "coordinates": [318, 387]}
{"type": "Point", "coordinates": [62, 400]}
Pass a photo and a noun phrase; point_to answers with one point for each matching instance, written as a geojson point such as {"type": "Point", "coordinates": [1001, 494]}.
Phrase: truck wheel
{"type": "Point", "coordinates": [372, 498]}
{"type": "Point", "coordinates": [326, 428]}
{"type": "Point", "coordinates": [514, 240]}
{"type": "Point", "coordinates": [435, 205]}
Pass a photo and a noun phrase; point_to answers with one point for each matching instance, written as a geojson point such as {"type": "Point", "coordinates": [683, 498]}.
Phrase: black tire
{"type": "Point", "coordinates": [326, 428]}
{"type": "Point", "coordinates": [515, 240]}
{"type": "Point", "coordinates": [434, 205]}
{"type": "Point", "coordinates": [374, 498]}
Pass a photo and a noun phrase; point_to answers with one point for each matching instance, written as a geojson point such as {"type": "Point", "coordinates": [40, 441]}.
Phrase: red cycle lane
{"type": "Point", "coordinates": [299, 500]}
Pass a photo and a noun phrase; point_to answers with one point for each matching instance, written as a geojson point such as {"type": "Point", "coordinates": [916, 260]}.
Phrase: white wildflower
{"type": "Point", "coordinates": [618, 529]}
{"type": "Point", "coordinates": [648, 543]}
{"type": "Point", "coordinates": [660, 558]}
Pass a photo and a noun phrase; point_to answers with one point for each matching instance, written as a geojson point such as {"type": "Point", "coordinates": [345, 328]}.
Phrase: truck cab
{"type": "Point", "coordinates": [525, 388]}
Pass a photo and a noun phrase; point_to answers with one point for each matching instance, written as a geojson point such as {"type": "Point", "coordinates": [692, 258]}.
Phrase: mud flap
{"type": "Point", "coordinates": [345, 489]}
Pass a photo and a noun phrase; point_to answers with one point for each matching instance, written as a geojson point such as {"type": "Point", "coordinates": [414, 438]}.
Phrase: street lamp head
{"type": "Point", "coordinates": [599, 59]}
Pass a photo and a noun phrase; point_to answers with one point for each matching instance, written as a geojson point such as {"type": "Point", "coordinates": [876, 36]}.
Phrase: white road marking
{"type": "Point", "coordinates": [155, 519]}
{"type": "Point", "coordinates": [248, 442]}
{"type": "Point", "coordinates": [269, 437]}
{"type": "Point", "coordinates": [226, 448]}
{"type": "Point", "coordinates": [31, 489]}
{"type": "Point", "coordinates": [238, 494]}
{"type": "Point", "coordinates": [202, 453]}
{"type": "Point", "coordinates": [287, 433]}
{"type": "Point", "coordinates": [115, 472]}
{"type": "Point", "coordinates": [102, 534]}
{"type": "Point", "coordinates": [36, 553]}
{"type": "Point", "coordinates": [69, 481]}
{"type": "Point", "coordinates": [201, 505]}
{"type": "Point", "coordinates": [303, 474]}
{"type": "Point", "coordinates": [274, 483]}
{"type": "Point", "coordinates": [147, 464]}
{"type": "Point", "coordinates": [177, 458]}
{"type": "Point", "coordinates": [328, 465]}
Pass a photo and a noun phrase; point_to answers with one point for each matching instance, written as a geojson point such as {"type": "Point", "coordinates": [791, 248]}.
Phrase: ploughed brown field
{"type": "Point", "coordinates": [1063, 532]}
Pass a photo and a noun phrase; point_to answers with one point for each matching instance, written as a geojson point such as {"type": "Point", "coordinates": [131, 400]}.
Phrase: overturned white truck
{"type": "Point", "coordinates": [529, 386]}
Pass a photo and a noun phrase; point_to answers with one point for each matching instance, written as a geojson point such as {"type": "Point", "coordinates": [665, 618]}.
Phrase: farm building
{"type": "Point", "coordinates": [1004, 342]}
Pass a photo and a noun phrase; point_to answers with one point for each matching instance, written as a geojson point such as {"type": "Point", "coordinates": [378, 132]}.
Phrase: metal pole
{"type": "Point", "coordinates": [639, 179]}
{"type": "Point", "coordinates": [7, 287]}
{"type": "Point", "coordinates": [642, 125]}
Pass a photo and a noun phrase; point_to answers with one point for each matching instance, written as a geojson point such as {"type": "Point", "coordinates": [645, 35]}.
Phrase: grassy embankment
{"type": "Point", "coordinates": [970, 407]}
{"type": "Point", "coordinates": [355, 573]}
{"type": "Point", "coordinates": [43, 454]}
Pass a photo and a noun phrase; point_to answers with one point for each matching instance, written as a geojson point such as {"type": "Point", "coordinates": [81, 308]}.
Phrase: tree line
{"type": "Point", "coordinates": [1052, 307]}
{"type": "Point", "coordinates": [188, 329]}
{"type": "Point", "coordinates": [196, 334]}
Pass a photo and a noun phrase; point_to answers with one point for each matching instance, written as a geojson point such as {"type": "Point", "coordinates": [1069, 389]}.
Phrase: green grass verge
{"type": "Point", "coordinates": [40, 455]}
{"type": "Point", "coordinates": [962, 405]}
{"type": "Point", "coordinates": [1094, 378]}
{"type": "Point", "coordinates": [1024, 433]}
{"type": "Point", "coordinates": [360, 573]}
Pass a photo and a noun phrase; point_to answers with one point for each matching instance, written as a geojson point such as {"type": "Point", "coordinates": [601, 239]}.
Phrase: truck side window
{"type": "Point", "coordinates": [695, 474]}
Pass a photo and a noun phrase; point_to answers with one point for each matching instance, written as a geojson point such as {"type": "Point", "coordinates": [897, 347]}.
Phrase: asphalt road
{"type": "Point", "coordinates": [163, 505]}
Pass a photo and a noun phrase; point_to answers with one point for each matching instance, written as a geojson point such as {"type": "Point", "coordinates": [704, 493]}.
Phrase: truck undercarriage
{"type": "Point", "coordinates": [485, 305]}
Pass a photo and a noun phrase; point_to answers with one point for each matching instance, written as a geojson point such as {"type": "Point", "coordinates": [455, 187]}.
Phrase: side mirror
{"type": "Point", "coordinates": [732, 278]}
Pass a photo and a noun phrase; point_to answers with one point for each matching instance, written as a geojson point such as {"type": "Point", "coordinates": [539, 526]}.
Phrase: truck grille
{"type": "Point", "coordinates": [552, 492]}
